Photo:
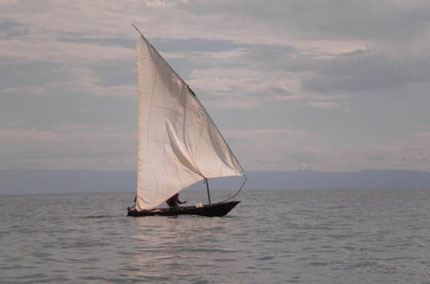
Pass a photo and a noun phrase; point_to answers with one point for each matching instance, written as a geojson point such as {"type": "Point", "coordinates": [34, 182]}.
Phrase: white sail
{"type": "Point", "coordinates": [178, 143]}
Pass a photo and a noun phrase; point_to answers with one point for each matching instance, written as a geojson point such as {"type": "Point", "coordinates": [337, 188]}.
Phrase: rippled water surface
{"type": "Point", "coordinates": [307, 236]}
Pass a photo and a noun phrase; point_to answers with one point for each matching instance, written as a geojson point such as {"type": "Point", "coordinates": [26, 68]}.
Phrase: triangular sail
{"type": "Point", "coordinates": [178, 143]}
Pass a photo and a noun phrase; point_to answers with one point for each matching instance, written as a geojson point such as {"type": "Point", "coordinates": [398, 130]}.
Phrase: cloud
{"type": "Point", "coordinates": [330, 19]}
{"type": "Point", "coordinates": [101, 19]}
{"type": "Point", "coordinates": [66, 133]}
{"type": "Point", "coordinates": [264, 133]}
{"type": "Point", "coordinates": [78, 147]}
{"type": "Point", "coordinates": [265, 149]}
{"type": "Point", "coordinates": [89, 82]}
{"type": "Point", "coordinates": [243, 88]}
{"type": "Point", "coordinates": [27, 90]}
{"type": "Point", "coordinates": [290, 64]}
{"type": "Point", "coordinates": [164, 4]}
{"type": "Point", "coordinates": [420, 136]}
{"type": "Point", "coordinates": [324, 105]}
{"type": "Point", "coordinates": [294, 149]}
{"type": "Point", "coordinates": [28, 50]}
{"type": "Point", "coordinates": [367, 72]}
{"type": "Point", "coordinates": [224, 55]}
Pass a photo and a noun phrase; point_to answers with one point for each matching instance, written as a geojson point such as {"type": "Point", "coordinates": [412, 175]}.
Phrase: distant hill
{"type": "Point", "coordinates": [68, 181]}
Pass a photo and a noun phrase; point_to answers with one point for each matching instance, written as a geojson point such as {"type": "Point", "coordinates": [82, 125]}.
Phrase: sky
{"type": "Point", "coordinates": [322, 85]}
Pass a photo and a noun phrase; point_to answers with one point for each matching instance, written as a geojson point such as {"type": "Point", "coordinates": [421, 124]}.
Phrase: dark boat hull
{"type": "Point", "coordinates": [209, 210]}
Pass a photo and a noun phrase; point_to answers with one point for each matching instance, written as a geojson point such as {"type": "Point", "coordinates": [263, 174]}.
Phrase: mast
{"type": "Point", "coordinates": [207, 189]}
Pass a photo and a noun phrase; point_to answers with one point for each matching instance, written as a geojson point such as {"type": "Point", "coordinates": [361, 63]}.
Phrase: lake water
{"type": "Point", "coordinates": [306, 236]}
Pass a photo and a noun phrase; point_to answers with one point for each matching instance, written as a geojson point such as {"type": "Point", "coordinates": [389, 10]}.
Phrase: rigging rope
{"type": "Point", "coordinates": [237, 193]}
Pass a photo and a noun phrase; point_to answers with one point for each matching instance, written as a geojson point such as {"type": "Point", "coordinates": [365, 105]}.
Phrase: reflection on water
{"type": "Point", "coordinates": [334, 236]}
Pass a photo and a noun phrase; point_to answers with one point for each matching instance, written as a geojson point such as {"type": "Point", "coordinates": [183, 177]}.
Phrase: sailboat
{"type": "Point", "coordinates": [178, 143]}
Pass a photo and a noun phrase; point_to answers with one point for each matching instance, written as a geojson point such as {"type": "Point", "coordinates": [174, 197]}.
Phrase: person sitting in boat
{"type": "Point", "coordinates": [174, 201]}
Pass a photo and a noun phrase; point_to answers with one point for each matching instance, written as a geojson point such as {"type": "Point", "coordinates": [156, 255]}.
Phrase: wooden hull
{"type": "Point", "coordinates": [209, 210]}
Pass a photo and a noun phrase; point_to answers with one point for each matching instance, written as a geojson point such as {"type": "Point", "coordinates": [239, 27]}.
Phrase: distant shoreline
{"type": "Point", "coordinates": [81, 181]}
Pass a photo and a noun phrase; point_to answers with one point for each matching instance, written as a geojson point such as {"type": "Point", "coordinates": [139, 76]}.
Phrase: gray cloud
{"type": "Point", "coordinates": [351, 74]}
{"type": "Point", "coordinates": [367, 72]}
{"type": "Point", "coordinates": [373, 20]}
{"type": "Point", "coordinates": [30, 74]}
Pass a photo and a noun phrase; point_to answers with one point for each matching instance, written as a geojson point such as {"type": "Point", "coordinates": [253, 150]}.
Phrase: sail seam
{"type": "Point", "coordinates": [138, 166]}
{"type": "Point", "coordinates": [147, 136]}
{"type": "Point", "coordinates": [175, 113]}
{"type": "Point", "coordinates": [200, 138]}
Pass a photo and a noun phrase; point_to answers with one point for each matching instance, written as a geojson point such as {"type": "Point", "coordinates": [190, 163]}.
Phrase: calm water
{"type": "Point", "coordinates": [308, 236]}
